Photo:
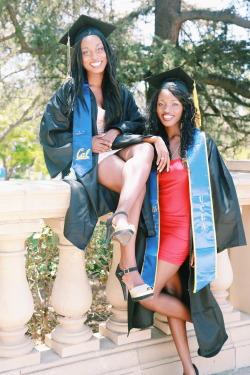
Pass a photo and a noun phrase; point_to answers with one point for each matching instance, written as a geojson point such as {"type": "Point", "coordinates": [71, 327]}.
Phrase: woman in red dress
{"type": "Point", "coordinates": [172, 113]}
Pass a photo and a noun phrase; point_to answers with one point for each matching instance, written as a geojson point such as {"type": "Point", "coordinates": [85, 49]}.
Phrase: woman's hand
{"type": "Point", "coordinates": [103, 142]}
{"type": "Point", "coordinates": [192, 263]}
{"type": "Point", "coordinates": [99, 144]}
{"type": "Point", "coordinates": [163, 159]}
{"type": "Point", "coordinates": [111, 135]}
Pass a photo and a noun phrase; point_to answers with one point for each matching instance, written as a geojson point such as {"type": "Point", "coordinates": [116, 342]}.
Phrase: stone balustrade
{"type": "Point", "coordinates": [71, 346]}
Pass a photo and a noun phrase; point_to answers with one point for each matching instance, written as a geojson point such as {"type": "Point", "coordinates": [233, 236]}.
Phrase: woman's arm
{"type": "Point", "coordinates": [163, 159]}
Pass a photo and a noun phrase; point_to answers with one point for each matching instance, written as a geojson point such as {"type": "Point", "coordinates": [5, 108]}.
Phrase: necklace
{"type": "Point", "coordinates": [177, 149]}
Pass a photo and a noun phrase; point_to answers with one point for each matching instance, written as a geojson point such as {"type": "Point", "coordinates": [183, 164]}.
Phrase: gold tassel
{"type": "Point", "coordinates": [68, 58]}
{"type": "Point", "coordinates": [196, 104]}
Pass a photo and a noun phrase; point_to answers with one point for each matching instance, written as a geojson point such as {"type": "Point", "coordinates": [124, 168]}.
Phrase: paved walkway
{"type": "Point", "coordinates": [242, 371]}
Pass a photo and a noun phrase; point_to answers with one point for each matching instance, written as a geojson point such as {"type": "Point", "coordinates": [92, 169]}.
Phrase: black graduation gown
{"type": "Point", "coordinates": [206, 314]}
{"type": "Point", "coordinates": [89, 199]}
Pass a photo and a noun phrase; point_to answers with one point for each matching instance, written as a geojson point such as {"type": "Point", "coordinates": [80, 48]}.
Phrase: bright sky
{"type": "Point", "coordinates": [125, 6]}
{"type": "Point", "coordinates": [148, 29]}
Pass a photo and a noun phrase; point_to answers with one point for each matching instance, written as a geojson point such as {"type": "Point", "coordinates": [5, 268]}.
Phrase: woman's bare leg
{"type": "Point", "coordinates": [162, 303]}
{"type": "Point", "coordinates": [134, 174]}
{"type": "Point", "coordinates": [128, 178]}
{"type": "Point", "coordinates": [178, 329]}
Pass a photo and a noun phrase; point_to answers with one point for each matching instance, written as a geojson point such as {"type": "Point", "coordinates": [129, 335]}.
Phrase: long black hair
{"type": "Point", "coordinates": [154, 125]}
{"type": "Point", "coordinates": [110, 85]}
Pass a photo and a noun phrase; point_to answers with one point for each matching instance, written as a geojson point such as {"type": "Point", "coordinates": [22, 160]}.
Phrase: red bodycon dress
{"type": "Point", "coordinates": [174, 205]}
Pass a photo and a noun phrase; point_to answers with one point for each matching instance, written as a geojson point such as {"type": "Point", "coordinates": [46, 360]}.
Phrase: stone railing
{"type": "Point", "coordinates": [71, 346]}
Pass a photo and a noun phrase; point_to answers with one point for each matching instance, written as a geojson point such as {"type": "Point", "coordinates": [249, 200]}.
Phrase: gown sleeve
{"type": "Point", "coordinates": [228, 221]}
{"type": "Point", "coordinates": [56, 130]}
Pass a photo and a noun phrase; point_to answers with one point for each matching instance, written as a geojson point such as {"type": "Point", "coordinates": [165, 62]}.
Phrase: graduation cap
{"type": "Point", "coordinates": [174, 74]}
{"type": "Point", "coordinates": [80, 25]}
{"type": "Point", "coordinates": [178, 74]}
{"type": "Point", "coordinates": [78, 30]}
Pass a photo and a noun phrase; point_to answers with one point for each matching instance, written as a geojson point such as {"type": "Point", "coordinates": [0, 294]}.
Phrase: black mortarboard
{"type": "Point", "coordinates": [83, 23]}
{"type": "Point", "coordinates": [176, 73]}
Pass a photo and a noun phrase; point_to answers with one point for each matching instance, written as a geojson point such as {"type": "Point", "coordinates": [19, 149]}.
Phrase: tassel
{"type": "Point", "coordinates": [68, 58]}
{"type": "Point", "coordinates": [196, 104]}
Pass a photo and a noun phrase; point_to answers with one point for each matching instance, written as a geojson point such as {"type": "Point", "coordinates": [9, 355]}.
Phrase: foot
{"type": "Point", "coordinates": [137, 293]}
{"type": "Point", "coordinates": [123, 230]}
{"type": "Point", "coordinates": [132, 279]}
{"type": "Point", "coordinates": [191, 370]}
{"type": "Point", "coordinates": [120, 220]}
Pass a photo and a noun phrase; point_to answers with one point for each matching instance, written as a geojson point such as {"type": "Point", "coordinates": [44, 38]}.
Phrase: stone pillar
{"type": "Point", "coordinates": [71, 298]}
{"type": "Point", "coordinates": [16, 302]}
{"type": "Point", "coordinates": [116, 327]}
{"type": "Point", "coordinates": [220, 285]}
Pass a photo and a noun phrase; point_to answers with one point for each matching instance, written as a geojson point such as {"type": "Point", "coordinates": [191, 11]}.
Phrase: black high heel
{"type": "Point", "coordinates": [137, 293]}
{"type": "Point", "coordinates": [123, 234]}
{"type": "Point", "coordinates": [195, 369]}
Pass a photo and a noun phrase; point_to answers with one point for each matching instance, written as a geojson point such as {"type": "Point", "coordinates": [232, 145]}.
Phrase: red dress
{"type": "Point", "coordinates": [174, 203]}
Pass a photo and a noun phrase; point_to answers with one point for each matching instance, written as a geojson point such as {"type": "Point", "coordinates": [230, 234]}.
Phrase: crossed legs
{"type": "Point", "coordinates": [171, 306]}
{"type": "Point", "coordinates": [127, 172]}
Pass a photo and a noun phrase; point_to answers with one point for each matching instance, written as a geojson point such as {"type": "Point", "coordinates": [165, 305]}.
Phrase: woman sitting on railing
{"type": "Point", "coordinates": [84, 134]}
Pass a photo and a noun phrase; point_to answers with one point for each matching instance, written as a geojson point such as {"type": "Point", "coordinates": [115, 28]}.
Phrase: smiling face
{"type": "Point", "coordinates": [94, 58]}
{"type": "Point", "coordinates": [169, 109]}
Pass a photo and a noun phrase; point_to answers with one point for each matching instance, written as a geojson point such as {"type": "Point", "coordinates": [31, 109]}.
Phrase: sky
{"type": "Point", "coordinates": [125, 6]}
{"type": "Point", "coordinates": [147, 30]}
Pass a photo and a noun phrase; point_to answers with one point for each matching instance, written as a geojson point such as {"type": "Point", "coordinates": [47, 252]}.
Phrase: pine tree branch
{"type": "Point", "coordinates": [19, 121]}
{"type": "Point", "coordinates": [237, 99]}
{"type": "Point", "coordinates": [218, 112]}
{"type": "Point", "coordinates": [234, 144]}
{"type": "Point", "coordinates": [19, 34]}
{"type": "Point", "coordinates": [225, 16]}
{"type": "Point", "coordinates": [7, 37]}
{"type": "Point", "coordinates": [230, 84]}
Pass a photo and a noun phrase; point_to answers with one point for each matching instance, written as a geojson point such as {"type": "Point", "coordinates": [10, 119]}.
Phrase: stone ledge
{"type": "Point", "coordinates": [33, 199]}
{"type": "Point", "coordinates": [149, 357]}
{"type": "Point", "coordinates": [22, 200]}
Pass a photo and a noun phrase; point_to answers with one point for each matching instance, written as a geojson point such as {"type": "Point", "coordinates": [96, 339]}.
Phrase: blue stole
{"type": "Point", "coordinates": [152, 246]}
{"type": "Point", "coordinates": [82, 134]}
{"type": "Point", "coordinates": [202, 218]}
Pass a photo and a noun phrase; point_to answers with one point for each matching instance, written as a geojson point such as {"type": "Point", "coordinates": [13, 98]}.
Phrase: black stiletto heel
{"type": "Point", "coordinates": [195, 369]}
{"type": "Point", "coordinates": [137, 293]}
{"type": "Point", "coordinates": [122, 234]}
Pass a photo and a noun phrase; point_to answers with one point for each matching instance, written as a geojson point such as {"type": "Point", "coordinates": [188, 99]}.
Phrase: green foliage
{"type": "Point", "coordinates": [20, 152]}
{"type": "Point", "coordinates": [34, 64]}
{"type": "Point", "coordinates": [98, 258]}
{"type": "Point", "coordinates": [42, 261]}
{"type": "Point", "coordinates": [41, 269]}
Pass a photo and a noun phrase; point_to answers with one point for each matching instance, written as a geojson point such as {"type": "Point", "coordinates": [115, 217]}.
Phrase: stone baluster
{"type": "Point", "coordinates": [71, 298]}
{"type": "Point", "coordinates": [221, 284]}
{"type": "Point", "coordinates": [116, 327]}
{"type": "Point", "coordinates": [16, 302]}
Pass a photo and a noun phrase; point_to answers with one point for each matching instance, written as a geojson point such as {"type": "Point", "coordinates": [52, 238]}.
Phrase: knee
{"type": "Point", "coordinates": [172, 290]}
{"type": "Point", "coordinates": [145, 150]}
{"type": "Point", "coordinates": [144, 303]}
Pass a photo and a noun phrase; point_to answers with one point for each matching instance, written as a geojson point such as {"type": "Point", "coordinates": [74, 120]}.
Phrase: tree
{"type": "Point", "coordinates": [34, 65]}
{"type": "Point", "coordinates": [216, 59]}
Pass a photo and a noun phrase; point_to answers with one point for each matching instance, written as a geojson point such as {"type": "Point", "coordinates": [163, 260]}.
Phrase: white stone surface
{"type": "Point", "coordinates": [22, 205]}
